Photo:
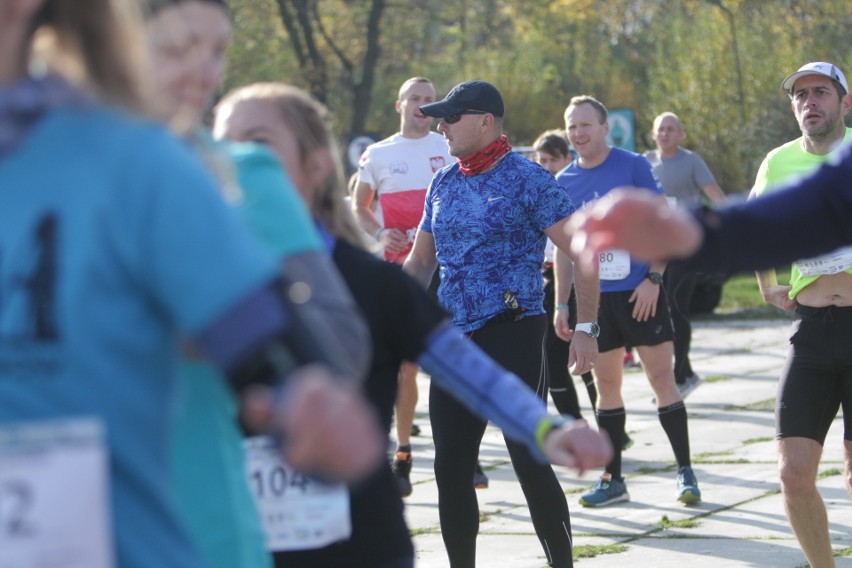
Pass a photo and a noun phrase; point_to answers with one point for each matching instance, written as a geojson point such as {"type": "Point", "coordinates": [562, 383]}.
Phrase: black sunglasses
{"type": "Point", "coordinates": [454, 118]}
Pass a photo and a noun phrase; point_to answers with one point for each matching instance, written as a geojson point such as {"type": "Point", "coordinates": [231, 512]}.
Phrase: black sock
{"type": "Point", "coordinates": [612, 422]}
{"type": "Point", "coordinates": [674, 422]}
{"type": "Point", "coordinates": [405, 449]}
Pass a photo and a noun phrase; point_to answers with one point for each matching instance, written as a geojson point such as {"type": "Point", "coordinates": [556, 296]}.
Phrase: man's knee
{"type": "Point", "coordinates": [798, 463]}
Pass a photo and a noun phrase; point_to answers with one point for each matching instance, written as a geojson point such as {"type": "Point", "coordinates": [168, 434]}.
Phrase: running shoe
{"type": "Point", "coordinates": [480, 480]}
{"type": "Point", "coordinates": [691, 383]}
{"type": "Point", "coordinates": [605, 492]}
{"type": "Point", "coordinates": [415, 430]}
{"type": "Point", "coordinates": [402, 472]}
{"type": "Point", "coordinates": [626, 442]}
{"type": "Point", "coordinates": [687, 486]}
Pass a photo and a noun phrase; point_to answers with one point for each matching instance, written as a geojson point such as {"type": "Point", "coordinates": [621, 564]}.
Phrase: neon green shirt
{"type": "Point", "coordinates": [784, 164]}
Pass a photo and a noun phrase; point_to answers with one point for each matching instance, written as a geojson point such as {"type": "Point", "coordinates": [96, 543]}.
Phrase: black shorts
{"type": "Point", "coordinates": [817, 377]}
{"type": "Point", "coordinates": [619, 329]}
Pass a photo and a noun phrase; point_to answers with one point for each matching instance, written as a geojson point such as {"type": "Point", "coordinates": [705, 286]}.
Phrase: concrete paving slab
{"type": "Point", "coordinates": [740, 523]}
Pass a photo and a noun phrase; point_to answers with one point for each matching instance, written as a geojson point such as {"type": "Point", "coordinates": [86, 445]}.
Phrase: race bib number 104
{"type": "Point", "coordinates": [298, 512]}
{"type": "Point", "coordinates": [54, 496]}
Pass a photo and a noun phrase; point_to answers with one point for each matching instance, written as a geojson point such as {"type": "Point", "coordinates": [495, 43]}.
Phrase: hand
{"type": "Point", "coordinates": [636, 220]}
{"type": "Point", "coordinates": [779, 296]}
{"type": "Point", "coordinates": [327, 426]}
{"type": "Point", "coordinates": [645, 297]}
{"type": "Point", "coordinates": [582, 353]}
{"type": "Point", "coordinates": [560, 324]}
{"type": "Point", "coordinates": [577, 446]}
{"type": "Point", "coordinates": [393, 240]}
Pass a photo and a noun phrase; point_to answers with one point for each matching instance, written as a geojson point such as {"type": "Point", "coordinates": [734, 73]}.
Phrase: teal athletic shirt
{"type": "Point", "coordinates": [207, 453]}
{"type": "Point", "coordinates": [112, 239]}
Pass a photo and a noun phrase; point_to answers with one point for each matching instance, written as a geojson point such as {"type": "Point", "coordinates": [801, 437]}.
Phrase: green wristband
{"type": "Point", "coordinates": [379, 232]}
{"type": "Point", "coordinates": [544, 427]}
{"type": "Point", "coordinates": [562, 306]}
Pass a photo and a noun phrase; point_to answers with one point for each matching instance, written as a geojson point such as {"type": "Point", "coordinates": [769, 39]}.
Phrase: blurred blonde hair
{"type": "Point", "coordinates": [310, 121]}
{"type": "Point", "coordinates": [96, 44]}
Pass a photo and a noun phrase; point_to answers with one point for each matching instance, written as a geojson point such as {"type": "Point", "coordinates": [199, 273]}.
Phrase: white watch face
{"type": "Point", "coordinates": [590, 328]}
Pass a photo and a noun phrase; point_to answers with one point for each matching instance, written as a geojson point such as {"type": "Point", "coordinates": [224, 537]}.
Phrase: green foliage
{"type": "Point", "coordinates": [718, 64]}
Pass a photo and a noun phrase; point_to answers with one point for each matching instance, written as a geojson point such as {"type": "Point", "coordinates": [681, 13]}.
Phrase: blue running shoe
{"type": "Point", "coordinates": [605, 492]}
{"type": "Point", "coordinates": [687, 486]}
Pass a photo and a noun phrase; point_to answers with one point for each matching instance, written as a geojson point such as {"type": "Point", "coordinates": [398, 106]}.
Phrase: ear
{"type": "Point", "coordinates": [398, 107]}
{"type": "Point", "coordinates": [318, 166]}
{"type": "Point", "coordinates": [845, 104]}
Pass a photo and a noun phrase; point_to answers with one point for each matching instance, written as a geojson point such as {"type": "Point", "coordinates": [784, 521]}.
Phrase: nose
{"type": "Point", "coordinates": [442, 126]}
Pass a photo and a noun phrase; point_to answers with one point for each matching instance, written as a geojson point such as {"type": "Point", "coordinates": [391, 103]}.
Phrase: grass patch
{"type": "Point", "coordinates": [741, 300]}
{"type": "Point", "coordinates": [711, 455]}
{"type": "Point", "coordinates": [418, 532]}
{"type": "Point", "coordinates": [591, 550]}
{"type": "Point", "coordinates": [666, 523]}
{"type": "Point", "coordinates": [830, 473]}
{"type": "Point", "coordinates": [767, 405]}
{"type": "Point", "coordinates": [758, 440]}
{"type": "Point", "coordinates": [648, 470]}
{"type": "Point", "coordinates": [484, 517]}
{"type": "Point", "coordinates": [717, 379]}
{"type": "Point", "coordinates": [843, 552]}
{"type": "Point", "coordinates": [728, 462]}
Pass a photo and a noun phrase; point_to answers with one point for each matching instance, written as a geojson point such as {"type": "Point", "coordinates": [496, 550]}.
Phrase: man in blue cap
{"type": "Point", "coordinates": [485, 225]}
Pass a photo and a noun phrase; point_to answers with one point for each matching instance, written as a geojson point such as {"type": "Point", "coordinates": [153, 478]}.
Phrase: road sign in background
{"type": "Point", "coordinates": [622, 128]}
{"type": "Point", "coordinates": [357, 145]}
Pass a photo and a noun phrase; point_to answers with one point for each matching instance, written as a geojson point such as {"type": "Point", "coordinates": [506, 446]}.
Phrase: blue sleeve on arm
{"type": "Point", "coordinates": [809, 217]}
{"type": "Point", "coordinates": [483, 386]}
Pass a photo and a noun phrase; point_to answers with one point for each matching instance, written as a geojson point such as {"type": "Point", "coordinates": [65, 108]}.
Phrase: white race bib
{"type": "Point", "coordinates": [672, 200]}
{"type": "Point", "coordinates": [614, 264]}
{"type": "Point", "coordinates": [831, 263]}
{"type": "Point", "coordinates": [54, 495]}
{"type": "Point", "coordinates": [298, 512]}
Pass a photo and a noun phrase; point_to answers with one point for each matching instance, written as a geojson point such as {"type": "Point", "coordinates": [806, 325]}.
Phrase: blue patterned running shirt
{"type": "Point", "coordinates": [489, 236]}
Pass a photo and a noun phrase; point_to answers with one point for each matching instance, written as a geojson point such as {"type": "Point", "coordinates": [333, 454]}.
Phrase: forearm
{"type": "Point", "coordinates": [563, 275]}
{"type": "Point", "coordinates": [587, 288]}
{"type": "Point", "coordinates": [421, 262]}
{"type": "Point", "coordinates": [762, 233]}
{"type": "Point", "coordinates": [305, 317]}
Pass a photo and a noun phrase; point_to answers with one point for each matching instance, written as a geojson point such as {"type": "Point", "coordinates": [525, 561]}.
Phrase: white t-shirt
{"type": "Point", "coordinates": [400, 169]}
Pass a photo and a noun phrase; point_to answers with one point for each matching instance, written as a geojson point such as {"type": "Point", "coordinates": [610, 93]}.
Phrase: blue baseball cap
{"type": "Point", "coordinates": [470, 95]}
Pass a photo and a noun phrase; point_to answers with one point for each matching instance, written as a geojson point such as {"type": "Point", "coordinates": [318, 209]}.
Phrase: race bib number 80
{"type": "Point", "coordinates": [54, 496]}
{"type": "Point", "coordinates": [298, 512]}
{"type": "Point", "coordinates": [614, 264]}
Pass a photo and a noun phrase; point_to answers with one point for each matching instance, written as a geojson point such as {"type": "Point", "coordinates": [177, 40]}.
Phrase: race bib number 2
{"type": "Point", "coordinates": [298, 512]}
{"type": "Point", "coordinates": [54, 496]}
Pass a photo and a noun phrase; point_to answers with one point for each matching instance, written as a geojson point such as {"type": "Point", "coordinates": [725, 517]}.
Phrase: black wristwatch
{"type": "Point", "coordinates": [655, 277]}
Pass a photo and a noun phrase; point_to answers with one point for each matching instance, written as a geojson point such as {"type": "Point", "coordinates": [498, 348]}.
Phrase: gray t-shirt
{"type": "Point", "coordinates": [683, 175]}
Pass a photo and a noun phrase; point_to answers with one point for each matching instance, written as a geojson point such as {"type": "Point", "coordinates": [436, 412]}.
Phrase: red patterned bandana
{"type": "Point", "coordinates": [480, 161]}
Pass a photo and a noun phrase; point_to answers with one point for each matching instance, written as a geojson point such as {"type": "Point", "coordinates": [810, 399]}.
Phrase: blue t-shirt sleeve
{"type": "Point", "coordinates": [190, 251]}
{"type": "Point", "coordinates": [548, 201]}
{"type": "Point", "coordinates": [644, 176]}
{"type": "Point", "coordinates": [270, 203]}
